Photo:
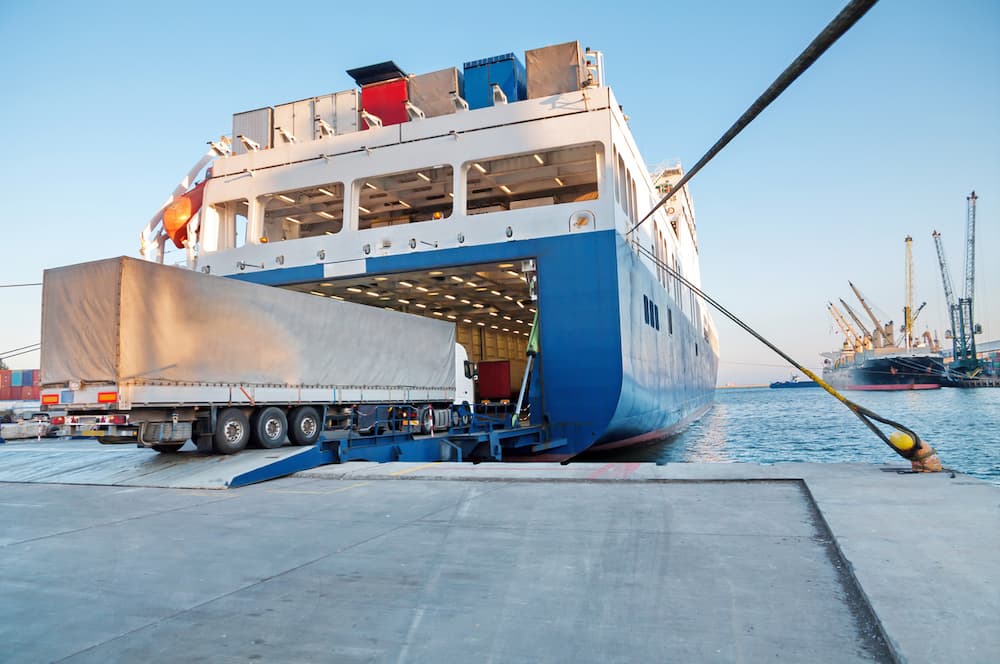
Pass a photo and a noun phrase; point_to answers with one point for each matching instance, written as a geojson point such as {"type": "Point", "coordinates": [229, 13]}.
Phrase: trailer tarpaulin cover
{"type": "Point", "coordinates": [126, 320]}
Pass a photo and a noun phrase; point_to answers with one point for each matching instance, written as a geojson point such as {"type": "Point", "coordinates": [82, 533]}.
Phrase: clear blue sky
{"type": "Point", "coordinates": [106, 105]}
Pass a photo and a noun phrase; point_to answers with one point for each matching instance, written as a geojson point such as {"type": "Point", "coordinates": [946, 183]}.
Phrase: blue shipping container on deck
{"type": "Point", "coordinates": [504, 70]}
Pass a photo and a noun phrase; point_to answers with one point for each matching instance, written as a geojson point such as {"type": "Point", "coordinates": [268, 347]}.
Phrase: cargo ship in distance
{"type": "Point", "coordinates": [497, 196]}
{"type": "Point", "coordinates": [872, 358]}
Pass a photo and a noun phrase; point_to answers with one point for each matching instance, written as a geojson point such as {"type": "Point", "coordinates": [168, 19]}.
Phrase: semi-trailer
{"type": "Point", "coordinates": [156, 354]}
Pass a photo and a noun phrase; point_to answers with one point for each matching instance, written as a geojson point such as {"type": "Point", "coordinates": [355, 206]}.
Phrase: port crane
{"type": "Point", "coordinates": [851, 336]}
{"type": "Point", "coordinates": [883, 333]}
{"type": "Point", "coordinates": [963, 330]}
{"type": "Point", "coordinates": [867, 339]}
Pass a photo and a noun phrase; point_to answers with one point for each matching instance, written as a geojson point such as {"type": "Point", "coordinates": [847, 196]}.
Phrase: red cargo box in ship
{"type": "Point", "coordinates": [4, 378]}
{"type": "Point", "coordinates": [494, 379]}
{"type": "Point", "coordinates": [36, 377]}
{"type": "Point", "coordinates": [5, 394]}
{"type": "Point", "coordinates": [31, 393]}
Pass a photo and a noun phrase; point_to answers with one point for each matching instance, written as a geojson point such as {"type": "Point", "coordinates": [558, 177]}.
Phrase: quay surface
{"type": "Point", "coordinates": [443, 562]}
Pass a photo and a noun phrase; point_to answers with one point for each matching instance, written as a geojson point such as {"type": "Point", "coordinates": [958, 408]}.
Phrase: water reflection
{"type": "Point", "coordinates": [771, 426]}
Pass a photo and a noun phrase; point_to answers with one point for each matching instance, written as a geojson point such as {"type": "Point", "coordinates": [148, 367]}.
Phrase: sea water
{"type": "Point", "coordinates": [762, 425]}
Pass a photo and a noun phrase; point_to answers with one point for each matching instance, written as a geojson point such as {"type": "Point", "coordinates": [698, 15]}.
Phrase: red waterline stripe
{"type": "Point", "coordinates": [894, 388]}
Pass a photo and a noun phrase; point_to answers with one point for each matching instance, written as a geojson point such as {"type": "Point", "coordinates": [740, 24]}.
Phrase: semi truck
{"type": "Point", "coordinates": [159, 355]}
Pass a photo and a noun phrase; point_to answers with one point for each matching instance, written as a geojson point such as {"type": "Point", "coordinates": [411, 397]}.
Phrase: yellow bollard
{"type": "Point", "coordinates": [923, 459]}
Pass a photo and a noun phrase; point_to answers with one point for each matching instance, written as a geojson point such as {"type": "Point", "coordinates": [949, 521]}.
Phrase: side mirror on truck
{"type": "Point", "coordinates": [471, 370]}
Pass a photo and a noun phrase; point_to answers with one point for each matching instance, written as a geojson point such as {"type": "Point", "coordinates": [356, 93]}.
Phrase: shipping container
{"type": "Point", "coordinates": [4, 378]}
{"type": "Point", "coordinates": [432, 93]}
{"type": "Point", "coordinates": [36, 377]}
{"type": "Point", "coordinates": [505, 71]}
{"type": "Point", "coordinates": [5, 393]}
{"type": "Point", "coordinates": [384, 92]}
{"type": "Point", "coordinates": [386, 101]}
{"type": "Point", "coordinates": [15, 378]}
{"type": "Point", "coordinates": [338, 111]}
{"type": "Point", "coordinates": [255, 125]}
{"type": "Point", "coordinates": [555, 70]}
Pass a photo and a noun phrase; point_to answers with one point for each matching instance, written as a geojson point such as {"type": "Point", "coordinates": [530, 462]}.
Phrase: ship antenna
{"type": "Point", "coordinates": [841, 23]}
{"type": "Point", "coordinates": [904, 441]}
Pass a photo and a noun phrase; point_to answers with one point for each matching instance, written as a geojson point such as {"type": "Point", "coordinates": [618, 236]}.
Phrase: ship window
{"type": "Point", "coordinates": [645, 308]}
{"type": "Point", "coordinates": [231, 217]}
{"type": "Point", "coordinates": [533, 179]}
{"type": "Point", "coordinates": [290, 215]}
{"type": "Point", "coordinates": [425, 194]}
{"type": "Point", "coordinates": [614, 172]}
{"type": "Point", "coordinates": [670, 321]}
{"type": "Point", "coordinates": [656, 316]}
{"type": "Point", "coordinates": [620, 185]}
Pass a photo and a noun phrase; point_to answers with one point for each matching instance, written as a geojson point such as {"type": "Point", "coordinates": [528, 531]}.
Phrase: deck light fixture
{"type": "Point", "coordinates": [326, 191]}
{"type": "Point", "coordinates": [287, 199]}
{"type": "Point", "coordinates": [538, 158]}
{"type": "Point", "coordinates": [423, 177]}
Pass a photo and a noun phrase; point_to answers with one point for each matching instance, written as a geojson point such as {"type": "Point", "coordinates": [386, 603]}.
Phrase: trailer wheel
{"type": "Point", "coordinates": [232, 431]}
{"type": "Point", "coordinates": [268, 428]}
{"type": "Point", "coordinates": [304, 426]}
{"type": "Point", "coordinates": [168, 448]}
{"type": "Point", "coordinates": [426, 420]}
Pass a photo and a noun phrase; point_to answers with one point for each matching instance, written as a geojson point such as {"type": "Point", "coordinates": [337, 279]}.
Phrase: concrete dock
{"type": "Point", "coordinates": [617, 562]}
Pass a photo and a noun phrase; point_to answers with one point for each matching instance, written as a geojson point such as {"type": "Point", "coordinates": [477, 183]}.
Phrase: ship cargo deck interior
{"type": "Point", "coordinates": [490, 303]}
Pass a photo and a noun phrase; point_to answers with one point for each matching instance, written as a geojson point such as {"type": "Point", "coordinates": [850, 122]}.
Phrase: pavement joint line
{"type": "Point", "coordinates": [111, 523]}
{"type": "Point", "coordinates": [845, 571]}
{"type": "Point", "coordinates": [319, 493]}
{"type": "Point", "coordinates": [414, 469]}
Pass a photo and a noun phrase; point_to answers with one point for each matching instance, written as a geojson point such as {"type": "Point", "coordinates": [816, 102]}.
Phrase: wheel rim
{"type": "Point", "coordinates": [233, 431]}
{"type": "Point", "coordinates": [308, 426]}
{"type": "Point", "coordinates": [272, 428]}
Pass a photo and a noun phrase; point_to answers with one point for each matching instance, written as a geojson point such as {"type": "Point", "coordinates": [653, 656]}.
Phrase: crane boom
{"type": "Point", "coordinates": [908, 305]}
{"type": "Point", "coordinates": [949, 294]}
{"type": "Point", "coordinates": [881, 332]}
{"type": "Point", "coordinates": [857, 321]}
{"type": "Point", "coordinates": [845, 327]}
{"type": "Point", "coordinates": [970, 246]}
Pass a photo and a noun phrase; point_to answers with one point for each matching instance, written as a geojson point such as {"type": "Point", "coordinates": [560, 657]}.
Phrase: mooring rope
{"type": "Point", "coordinates": [911, 447]}
{"type": "Point", "coordinates": [841, 23]}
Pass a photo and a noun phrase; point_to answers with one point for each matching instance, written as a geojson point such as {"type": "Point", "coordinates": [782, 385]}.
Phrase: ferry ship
{"type": "Point", "coordinates": [498, 196]}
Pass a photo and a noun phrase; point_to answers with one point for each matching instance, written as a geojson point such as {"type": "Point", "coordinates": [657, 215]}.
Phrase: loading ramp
{"type": "Point", "coordinates": [89, 462]}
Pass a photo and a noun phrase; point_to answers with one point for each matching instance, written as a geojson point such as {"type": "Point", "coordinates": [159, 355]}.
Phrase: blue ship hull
{"type": "Point", "coordinates": [604, 377]}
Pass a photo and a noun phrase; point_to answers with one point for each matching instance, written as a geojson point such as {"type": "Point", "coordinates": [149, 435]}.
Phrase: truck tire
{"type": "Point", "coordinates": [426, 419]}
{"type": "Point", "coordinates": [232, 431]}
{"type": "Point", "coordinates": [168, 448]}
{"type": "Point", "coordinates": [304, 426]}
{"type": "Point", "coordinates": [268, 428]}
